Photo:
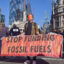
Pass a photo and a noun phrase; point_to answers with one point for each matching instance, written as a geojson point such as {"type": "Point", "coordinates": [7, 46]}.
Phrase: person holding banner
{"type": "Point", "coordinates": [30, 28]}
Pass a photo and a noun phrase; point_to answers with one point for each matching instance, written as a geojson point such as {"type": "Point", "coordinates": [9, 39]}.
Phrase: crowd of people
{"type": "Point", "coordinates": [30, 28]}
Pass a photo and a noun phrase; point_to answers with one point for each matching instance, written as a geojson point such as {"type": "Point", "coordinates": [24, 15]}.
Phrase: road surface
{"type": "Point", "coordinates": [40, 60]}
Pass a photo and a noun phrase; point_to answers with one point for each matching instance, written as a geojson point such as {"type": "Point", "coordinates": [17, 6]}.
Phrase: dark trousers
{"type": "Point", "coordinates": [34, 58]}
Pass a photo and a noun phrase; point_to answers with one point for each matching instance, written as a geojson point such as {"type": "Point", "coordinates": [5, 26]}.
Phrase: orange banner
{"type": "Point", "coordinates": [49, 45]}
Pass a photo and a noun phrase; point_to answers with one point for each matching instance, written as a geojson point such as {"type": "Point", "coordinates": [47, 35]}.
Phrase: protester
{"type": "Point", "coordinates": [14, 31]}
{"type": "Point", "coordinates": [39, 29]}
{"type": "Point", "coordinates": [31, 28]}
{"type": "Point", "coordinates": [4, 30]}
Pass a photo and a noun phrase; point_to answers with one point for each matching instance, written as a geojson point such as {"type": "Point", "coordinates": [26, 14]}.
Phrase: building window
{"type": "Point", "coordinates": [63, 9]}
{"type": "Point", "coordinates": [63, 16]}
{"type": "Point", "coordinates": [56, 11]}
{"type": "Point", "coordinates": [58, 2]}
{"type": "Point", "coordinates": [63, 1]}
{"type": "Point", "coordinates": [57, 18]}
{"type": "Point", "coordinates": [63, 22]}
{"type": "Point", "coordinates": [57, 24]}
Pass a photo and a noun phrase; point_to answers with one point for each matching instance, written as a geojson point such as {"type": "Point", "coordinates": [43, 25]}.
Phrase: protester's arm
{"type": "Point", "coordinates": [37, 30]}
{"type": "Point", "coordinates": [10, 31]}
{"type": "Point", "coordinates": [24, 29]}
{"type": "Point", "coordinates": [19, 31]}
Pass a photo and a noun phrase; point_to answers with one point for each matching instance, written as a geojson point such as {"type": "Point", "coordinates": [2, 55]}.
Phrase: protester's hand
{"type": "Point", "coordinates": [23, 34]}
{"type": "Point", "coordinates": [37, 33]}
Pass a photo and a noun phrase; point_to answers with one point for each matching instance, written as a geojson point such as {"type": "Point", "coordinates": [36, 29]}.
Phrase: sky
{"type": "Point", "coordinates": [40, 9]}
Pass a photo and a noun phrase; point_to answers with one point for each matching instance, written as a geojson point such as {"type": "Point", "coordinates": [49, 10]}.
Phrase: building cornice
{"type": "Point", "coordinates": [58, 6]}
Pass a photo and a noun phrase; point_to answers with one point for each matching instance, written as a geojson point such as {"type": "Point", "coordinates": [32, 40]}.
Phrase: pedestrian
{"type": "Point", "coordinates": [4, 30]}
{"type": "Point", "coordinates": [14, 31]}
{"type": "Point", "coordinates": [31, 28]}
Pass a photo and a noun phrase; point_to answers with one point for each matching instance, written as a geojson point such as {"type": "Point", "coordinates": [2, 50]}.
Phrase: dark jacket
{"type": "Point", "coordinates": [30, 27]}
{"type": "Point", "coordinates": [14, 31]}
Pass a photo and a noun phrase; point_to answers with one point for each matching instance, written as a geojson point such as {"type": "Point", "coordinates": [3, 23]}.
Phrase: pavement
{"type": "Point", "coordinates": [21, 60]}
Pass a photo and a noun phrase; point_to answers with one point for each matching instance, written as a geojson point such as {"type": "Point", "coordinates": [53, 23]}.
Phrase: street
{"type": "Point", "coordinates": [40, 60]}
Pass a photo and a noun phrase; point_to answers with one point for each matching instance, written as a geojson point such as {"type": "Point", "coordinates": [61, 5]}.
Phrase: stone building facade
{"type": "Point", "coordinates": [57, 19]}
